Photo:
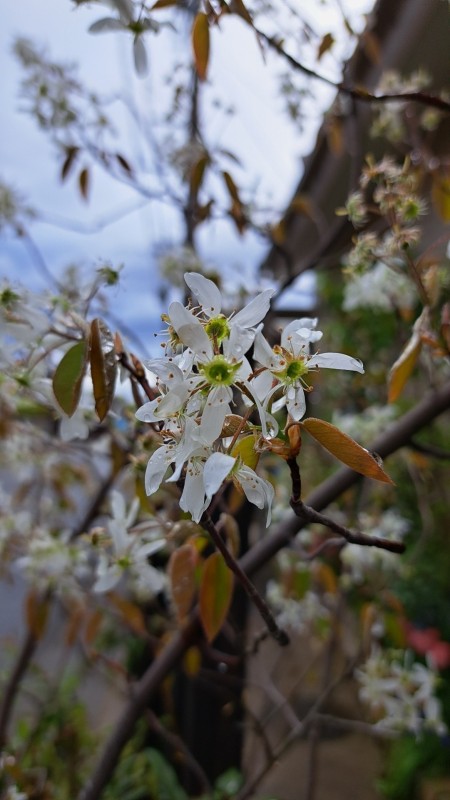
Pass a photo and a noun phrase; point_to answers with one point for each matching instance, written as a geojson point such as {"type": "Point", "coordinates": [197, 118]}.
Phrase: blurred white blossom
{"type": "Point", "coordinates": [401, 695]}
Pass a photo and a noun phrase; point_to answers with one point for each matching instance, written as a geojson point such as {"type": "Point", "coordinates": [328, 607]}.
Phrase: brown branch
{"type": "Point", "coordinates": [352, 91]}
{"type": "Point", "coordinates": [308, 515]}
{"type": "Point", "coordinates": [258, 601]}
{"type": "Point", "coordinates": [389, 442]}
{"type": "Point", "coordinates": [25, 655]}
{"type": "Point", "coordinates": [181, 752]}
{"type": "Point", "coordinates": [137, 372]}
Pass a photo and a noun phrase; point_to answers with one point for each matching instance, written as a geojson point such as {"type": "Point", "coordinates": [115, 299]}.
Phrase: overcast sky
{"type": "Point", "coordinates": [269, 146]}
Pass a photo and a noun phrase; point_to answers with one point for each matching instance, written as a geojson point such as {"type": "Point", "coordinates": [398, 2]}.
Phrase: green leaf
{"type": "Point", "coordinates": [216, 591]}
{"type": "Point", "coordinates": [103, 366]}
{"type": "Point", "coordinates": [245, 449]}
{"type": "Point", "coordinates": [345, 449]}
{"type": "Point", "coordinates": [68, 377]}
{"type": "Point", "coordinates": [200, 44]}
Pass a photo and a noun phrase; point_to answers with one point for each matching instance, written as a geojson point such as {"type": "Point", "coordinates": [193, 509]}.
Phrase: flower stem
{"type": "Point", "coordinates": [278, 634]}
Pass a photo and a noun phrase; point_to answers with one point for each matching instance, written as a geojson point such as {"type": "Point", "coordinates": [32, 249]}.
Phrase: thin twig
{"type": "Point", "coordinates": [181, 751]}
{"type": "Point", "coordinates": [308, 515]}
{"type": "Point", "coordinates": [353, 91]}
{"type": "Point", "coordinates": [278, 634]}
{"type": "Point", "coordinates": [25, 655]}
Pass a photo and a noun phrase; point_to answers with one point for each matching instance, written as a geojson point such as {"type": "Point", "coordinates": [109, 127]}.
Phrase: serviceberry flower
{"type": "Point", "coordinates": [288, 364]}
{"type": "Point", "coordinates": [129, 552]}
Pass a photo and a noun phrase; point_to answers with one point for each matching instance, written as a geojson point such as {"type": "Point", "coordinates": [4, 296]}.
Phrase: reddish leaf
{"type": "Point", "coordinates": [302, 205]}
{"type": "Point", "coordinates": [403, 367]}
{"type": "Point", "coordinates": [371, 45]}
{"type": "Point", "coordinates": [237, 209]}
{"type": "Point", "coordinates": [84, 183]}
{"type": "Point", "coordinates": [239, 8]}
{"type": "Point", "coordinates": [69, 161]}
{"type": "Point", "coordinates": [345, 449]}
{"type": "Point", "coordinates": [163, 4]}
{"type": "Point", "coordinates": [103, 366]}
{"type": "Point", "coordinates": [232, 188]}
{"type": "Point", "coordinates": [124, 164]}
{"type": "Point", "coordinates": [93, 626]}
{"type": "Point", "coordinates": [200, 44]}
{"type": "Point", "coordinates": [36, 611]}
{"type": "Point", "coordinates": [75, 620]}
{"type": "Point", "coordinates": [198, 173]}
{"type": "Point", "coordinates": [325, 45]}
{"type": "Point", "coordinates": [68, 377]}
{"type": "Point", "coordinates": [335, 134]}
{"type": "Point", "coordinates": [440, 193]}
{"type": "Point", "coordinates": [216, 591]}
{"type": "Point", "coordinates": [130, 613]}
{"type": "Point", "coordinates": [181, 570]}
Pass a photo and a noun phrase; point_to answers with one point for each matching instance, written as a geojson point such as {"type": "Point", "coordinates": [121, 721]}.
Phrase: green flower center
{"type": "Point", "coordinates": [217, 328]}
{"type": "Point", "coordinates": [219, 371]}
{"type": "Point", "coordinates": [296, 369]}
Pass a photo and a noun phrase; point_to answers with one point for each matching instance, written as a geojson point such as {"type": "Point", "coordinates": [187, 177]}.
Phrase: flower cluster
{"type": "Point", "coordinates": [205, 373]}
{"type": "Point", "coordinates": [391, 119]}
{"type": "Point", "coordinates": [400, 695]}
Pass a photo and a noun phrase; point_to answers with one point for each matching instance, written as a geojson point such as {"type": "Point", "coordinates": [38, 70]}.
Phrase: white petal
{"type": "Point", "coordinates": [258, 491]}
{"type": "Point", "coordinates": [212, 420]}
{"type": "Point", "coordinates": [217, 468]}
{"type": "Point", "coordinates": [239, 342]}
{"type": "Point", "coordinates": [206, 292]}
{"type": "Point", "coordinates": [157, 467]}
{"type": "Point", "coordinates": [166, 370]}
{"type": "Point", "coordinates": [140, 56]}
{"type": "Point", "coordinates": [106, 24]}
{"type": "Point", "coordinates": [255, 311]}
{"type": "Point", "coordinates": [262, 384]}
{"type": "Point", "coordinates": [296, 405]}
{"type": "Point", "coordinates": [193, 498]}
{"type": "Point", "coordinates": [132, 512]}
{"type": "Point", "coordinates": [244, 370]}
{"type": "Point", "coordinates": [147, 549]}
{"type": "Point", "coordinates": [190, 443]}
{"type": "Point", "coordinates": [107, 579]}
{"type": "Point", "coordinates": [119, 535]}
{"type": "Point", "coordinates": [146, 413]}
{"type": "Point", "coordinates": [336, 361]}
{"type": "Point", "coordinates": [190, 331]}
{"type": "Point", "coordinates": [264, 353]}
{"type": "Point", "coordinates": [74, 427]}
{"type": "Point", "coordinates": [173, 401]}
{"type": "Point", "coordinates": [117, 504]}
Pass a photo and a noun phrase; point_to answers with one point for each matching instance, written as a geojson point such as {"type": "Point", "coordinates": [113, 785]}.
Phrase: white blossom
{"type": "Point", "coordinates": [289, 363]}
{"type": "Point", "coordinates": [379, 288]}
{"type": "Point", "coordinates": [129, 552]}
{"type": "Point", "coordinates": [400, 695]}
